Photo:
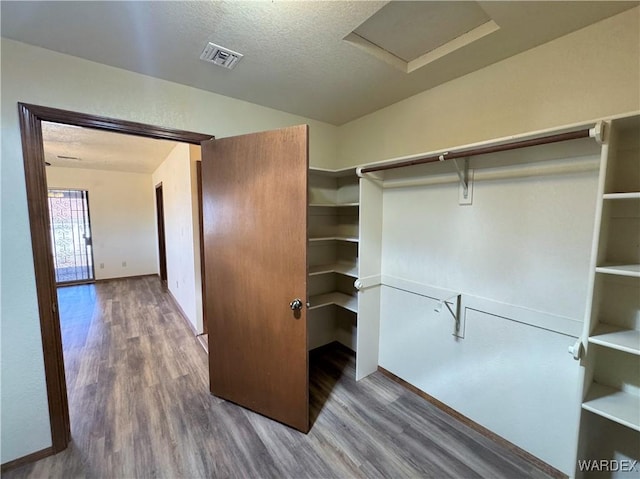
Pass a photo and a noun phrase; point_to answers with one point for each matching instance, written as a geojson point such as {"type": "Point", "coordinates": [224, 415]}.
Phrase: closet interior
{"type": "Point", "coordinates": [472, 282]}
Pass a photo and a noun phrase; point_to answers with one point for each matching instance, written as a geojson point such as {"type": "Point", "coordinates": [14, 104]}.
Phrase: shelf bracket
{"type": "Point", "coordinates": [466, 179]}
{"type": "Point", "coordinates": [455, 313]}
{"type": "Point", "coordinates": [463, 175]}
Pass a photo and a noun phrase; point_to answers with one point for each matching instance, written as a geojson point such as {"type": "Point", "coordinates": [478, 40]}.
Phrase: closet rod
{"type": "Point", "coordinates": [544, 140]}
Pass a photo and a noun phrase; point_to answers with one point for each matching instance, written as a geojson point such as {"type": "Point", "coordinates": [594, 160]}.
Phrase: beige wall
{"type": "Point", "coordinates": [591, 73]}
{"type": "Point", "coordinates": [179, 190]}
{"type": "Point", "coordinates": [122, 218]}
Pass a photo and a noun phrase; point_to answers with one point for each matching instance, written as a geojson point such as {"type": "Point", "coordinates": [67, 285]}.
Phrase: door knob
{"type": "Point", "coordinates": [295, 304]}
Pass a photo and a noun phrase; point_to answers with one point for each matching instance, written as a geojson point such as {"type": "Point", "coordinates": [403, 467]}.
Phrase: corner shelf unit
{"type": "Point", "coordinates": [333, 257]}
{"type": "Point", "coordinates": [611, 391]}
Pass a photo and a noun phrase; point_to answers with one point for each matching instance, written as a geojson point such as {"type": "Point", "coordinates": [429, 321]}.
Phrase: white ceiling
{"type": "Point", "coordinates": [295, 55]}
{"type": "Point", "coordinates": [102, 150]}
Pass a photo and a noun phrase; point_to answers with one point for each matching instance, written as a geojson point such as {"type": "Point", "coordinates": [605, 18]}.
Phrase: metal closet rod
{"type": "Point", "coordinates": [544, 140]}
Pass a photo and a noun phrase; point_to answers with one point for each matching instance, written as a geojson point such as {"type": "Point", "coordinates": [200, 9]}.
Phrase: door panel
{"type": "Point", "coordinates": [254, 191]}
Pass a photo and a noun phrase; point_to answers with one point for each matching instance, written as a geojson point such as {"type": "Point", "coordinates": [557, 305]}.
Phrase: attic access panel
{"type": "Point", "coordinates": [409, 35]}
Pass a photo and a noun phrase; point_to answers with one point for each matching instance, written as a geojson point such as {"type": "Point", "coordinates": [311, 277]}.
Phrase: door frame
{"type": "Point", "coordinates": [162, 239]}
{"type": "Point", "coordinates": [31, 118]}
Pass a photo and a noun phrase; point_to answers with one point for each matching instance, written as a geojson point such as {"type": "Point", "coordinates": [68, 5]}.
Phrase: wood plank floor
{"type": "Point", "coordinates": [140, 407]}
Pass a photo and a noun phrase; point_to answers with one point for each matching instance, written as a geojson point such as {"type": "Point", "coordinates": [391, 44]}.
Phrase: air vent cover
{"type": "Point", "coordinates": [220, 56]}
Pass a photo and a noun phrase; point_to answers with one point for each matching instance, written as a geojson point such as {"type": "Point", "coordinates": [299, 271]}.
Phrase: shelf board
{"type": "Point", "coordinates": [613, 404]}
{"type": "Point", "coordinates": [621, 270]}
{"type": "Point", "coordinates": [314, 170]}
{"type": "Point", "coordinates": [622, 196]}
{"type": "Point", "coordinates": [337, 298]}
{"type": "Point", "coordinates": [335, 238]}
{"type": "Point", "coordinates": [333, 205]}
{"type": "Point", "coordinates": [627, 340]}
{"type": "Point", "coordinates": [348, 269]}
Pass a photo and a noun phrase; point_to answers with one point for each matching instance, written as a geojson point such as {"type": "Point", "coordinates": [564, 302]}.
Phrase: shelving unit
{"type": "Point", "coordinates": [326, 205]}
{"type": "Point", "coordinates": [614, 405]}
{"type": "Point", "coordinates": [339, 299]}
{"type": "Point", "coordinates": [333, 257]}
{"type": "Point", "coordinates": [627, 340]}
{"type": "Point", "coordinates": [612, 326]}
{"type": "Point", "coordinates": [348, 269]}
{"type": "Point", "coordinates": [349, 239]}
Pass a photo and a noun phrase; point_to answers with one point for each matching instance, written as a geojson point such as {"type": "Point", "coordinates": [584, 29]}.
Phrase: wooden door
{"type": "Point", "coordinates": [254, 191]}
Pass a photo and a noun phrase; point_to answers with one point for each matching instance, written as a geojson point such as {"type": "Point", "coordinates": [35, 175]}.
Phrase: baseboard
{"type": "Point", "coordinates": [537, 462]}
{"type": "Point", "coordinates": [29, 458]}
{"type": "Point", "coordinates": [138, 276]}
{"type": "Point", "coordinates": [182, 314]}
{"type": "Point", "coordinates": [74, 283]}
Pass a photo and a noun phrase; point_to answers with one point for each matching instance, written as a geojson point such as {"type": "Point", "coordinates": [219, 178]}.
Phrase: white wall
{"type": "Point", "coordinates": [122, 208]}
{"type": "Point", "coordinates": [38, 76]}
{"type": "Point", "coordinates": [179, 190]}
{"type": "Point", "coordinates": [591, 73]}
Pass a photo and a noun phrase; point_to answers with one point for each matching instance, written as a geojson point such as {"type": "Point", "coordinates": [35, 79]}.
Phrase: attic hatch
{"type": "Point", "coordinates": [220, 56]}
{"type": "Point", "coordinates": [409, 35]}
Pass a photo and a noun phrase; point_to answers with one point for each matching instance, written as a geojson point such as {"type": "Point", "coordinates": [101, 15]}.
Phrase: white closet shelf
{"type": "Point", "coordinates": [622, 196]}
{"type": "Point", "coordinates": [621, 270]}
{"type": "Point", "coordinates": [332, 173]}
{"type": "Point", "coordinates": [333, 205]}
{"type": "Point", "coordinates": [616, 405]}
{"type": "Point", "coordinates": [350, 239]}
{"type": "Point", "coordinates": [335, 297]}
{"type": "Point", "coordinates": [348, 269]}
{"type": "Point", "coordinates": [627, 340]}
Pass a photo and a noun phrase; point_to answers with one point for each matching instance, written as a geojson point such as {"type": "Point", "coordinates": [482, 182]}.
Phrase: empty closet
{"type": "Point", "coordinates": [481, 296]}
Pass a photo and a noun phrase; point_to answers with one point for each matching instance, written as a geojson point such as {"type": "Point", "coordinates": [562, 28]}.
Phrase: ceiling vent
{"type": "Point", "coordinates": [220, 56]}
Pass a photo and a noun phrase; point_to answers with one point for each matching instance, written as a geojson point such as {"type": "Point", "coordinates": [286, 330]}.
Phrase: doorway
{"type": "Point", "coordinates": [31, 118]}
{"type": "Point", "coordinates": [70, 228]}
{"type": "Point", "coordinates": [162, 245]}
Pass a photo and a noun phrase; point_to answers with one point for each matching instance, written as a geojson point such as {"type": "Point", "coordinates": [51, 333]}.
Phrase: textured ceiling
{"type": "Point", "coordinates": [102, 150]}
{"type": "Point", "coordinates": [295, 58]}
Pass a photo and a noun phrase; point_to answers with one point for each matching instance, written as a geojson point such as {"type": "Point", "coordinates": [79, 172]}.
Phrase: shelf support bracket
{"type": "Point", "coordinates": [463, 176]}
{"type": "Point", "coordinates": [455, 313]}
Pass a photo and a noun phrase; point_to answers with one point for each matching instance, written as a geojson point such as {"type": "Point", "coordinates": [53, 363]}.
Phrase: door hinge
{"type": "Point", "coordinates": [54, 307]}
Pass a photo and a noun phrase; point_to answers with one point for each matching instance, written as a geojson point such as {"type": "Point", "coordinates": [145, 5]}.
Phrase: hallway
{"type": "Point", "coordinates": [140, 407]}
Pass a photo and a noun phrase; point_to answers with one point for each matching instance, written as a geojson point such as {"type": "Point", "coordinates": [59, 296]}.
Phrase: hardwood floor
{"type": "Point", "coordinates": [140, 407]}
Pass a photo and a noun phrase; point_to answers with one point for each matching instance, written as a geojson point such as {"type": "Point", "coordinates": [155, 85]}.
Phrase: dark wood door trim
{"type": "Point", "coordinates": [162, 238]}
{"type": "Point", "coordinates": [31, 117]}
{"type": "Point", "coordinates": [203, 283]}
